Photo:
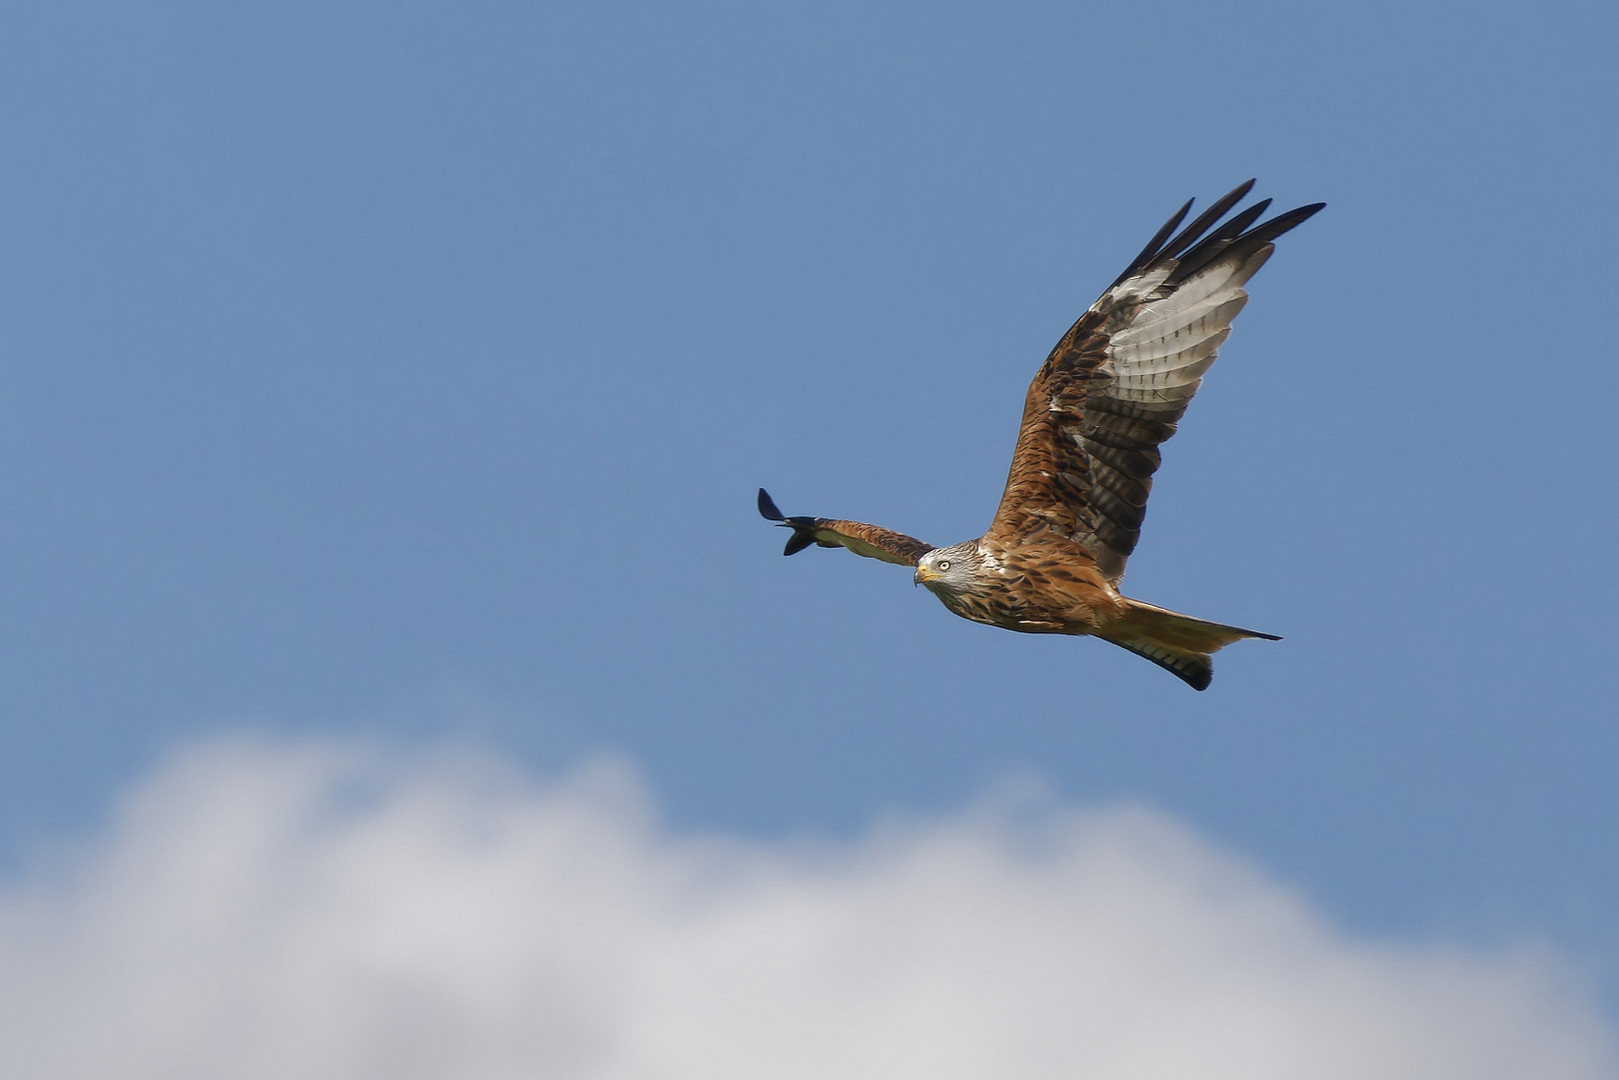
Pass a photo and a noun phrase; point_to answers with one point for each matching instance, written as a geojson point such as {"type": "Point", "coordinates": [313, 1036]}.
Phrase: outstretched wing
{"type": "Point", "coordinates": [1117, 383]}
{"type": "Point", "coordinates": [872, 541]}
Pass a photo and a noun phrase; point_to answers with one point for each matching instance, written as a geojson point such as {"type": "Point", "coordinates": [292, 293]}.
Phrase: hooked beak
{"type": "Point", "coordinates": [925, 575]}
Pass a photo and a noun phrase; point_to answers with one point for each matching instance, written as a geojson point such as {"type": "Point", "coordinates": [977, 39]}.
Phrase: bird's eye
{"type": "Point", "coordinates": [944, 564]}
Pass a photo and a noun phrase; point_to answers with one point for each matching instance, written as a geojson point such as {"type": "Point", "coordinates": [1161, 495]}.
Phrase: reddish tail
{"type": "Point", "coordinates": [1177, 643]}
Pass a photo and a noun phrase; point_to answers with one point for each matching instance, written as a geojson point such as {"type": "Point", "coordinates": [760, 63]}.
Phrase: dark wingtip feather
{"type": "Point", "coordinates": [1206, 240]}
{"type": "Point", "coordinates": [798, 542]}
{"type": "Point", "coordinates": [1150, 252]}
{"type": "Point", "coordinates": [1211, 247]}
{"type": "Point", "coordinates": [803, 527]}
{"type": "Point", "coordinates": [1282, 223]}
{"type": "Point", "coordinates": [1241, 221]}
{"type": "Point", "coordinates": [767, 508]}
{"type": "Point", "coordinates": [1189, 235]}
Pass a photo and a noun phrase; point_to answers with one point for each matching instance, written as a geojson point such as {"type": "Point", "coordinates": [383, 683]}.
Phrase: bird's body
{"type": "Point", "coordinates": [1051, 588]}
{"type": "Point", "coordinates": [1111, 391]}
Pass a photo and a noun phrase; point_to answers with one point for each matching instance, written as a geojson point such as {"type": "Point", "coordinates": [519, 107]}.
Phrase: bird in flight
{"type": "Point", "coordinates": [1111, 391]}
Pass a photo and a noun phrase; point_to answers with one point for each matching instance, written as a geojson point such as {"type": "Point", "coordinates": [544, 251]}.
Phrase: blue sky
{"type": "Point", "coordinates": [405, 373]}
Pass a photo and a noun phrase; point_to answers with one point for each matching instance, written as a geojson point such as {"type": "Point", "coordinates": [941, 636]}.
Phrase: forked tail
{"type": "Point", "coordinates": [1175, 642]}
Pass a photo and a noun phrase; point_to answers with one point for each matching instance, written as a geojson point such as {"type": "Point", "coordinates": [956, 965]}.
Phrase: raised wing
{"type": "Point", "coordinates": [1117, 383]}
{"type": "Point", "coordinates": [872, 541]}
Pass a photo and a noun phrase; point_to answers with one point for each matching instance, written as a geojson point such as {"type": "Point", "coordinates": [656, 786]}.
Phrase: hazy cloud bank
{"type": "Point", "coordinates": [278, 909]}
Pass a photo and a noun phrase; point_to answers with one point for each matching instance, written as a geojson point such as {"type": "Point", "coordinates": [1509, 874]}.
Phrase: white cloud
{"type": "Point", "coordinates": [275, 910]}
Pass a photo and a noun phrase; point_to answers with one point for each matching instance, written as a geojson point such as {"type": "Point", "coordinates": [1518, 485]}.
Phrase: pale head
{"type": "Point", "coordinates": [950, 569]}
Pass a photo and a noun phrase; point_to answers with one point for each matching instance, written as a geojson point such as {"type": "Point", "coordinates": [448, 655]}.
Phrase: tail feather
{"type": "Point", "coordinates": [1177, 643]}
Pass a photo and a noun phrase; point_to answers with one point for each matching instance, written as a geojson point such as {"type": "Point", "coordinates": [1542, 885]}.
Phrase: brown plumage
{"type": "Point", "coordinates": [1111, 391]}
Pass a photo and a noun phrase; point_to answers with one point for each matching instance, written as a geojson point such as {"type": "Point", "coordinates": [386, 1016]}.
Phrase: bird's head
{"type": "Point", "coordinates": [949, 569]}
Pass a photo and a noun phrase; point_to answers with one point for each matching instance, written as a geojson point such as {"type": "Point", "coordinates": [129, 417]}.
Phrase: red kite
{"type": "Point", "coordinates": [1111, 391]}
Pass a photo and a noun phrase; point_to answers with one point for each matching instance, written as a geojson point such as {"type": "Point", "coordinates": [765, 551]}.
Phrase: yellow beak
{"type": "Point", "coordinates": [925, 575]}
